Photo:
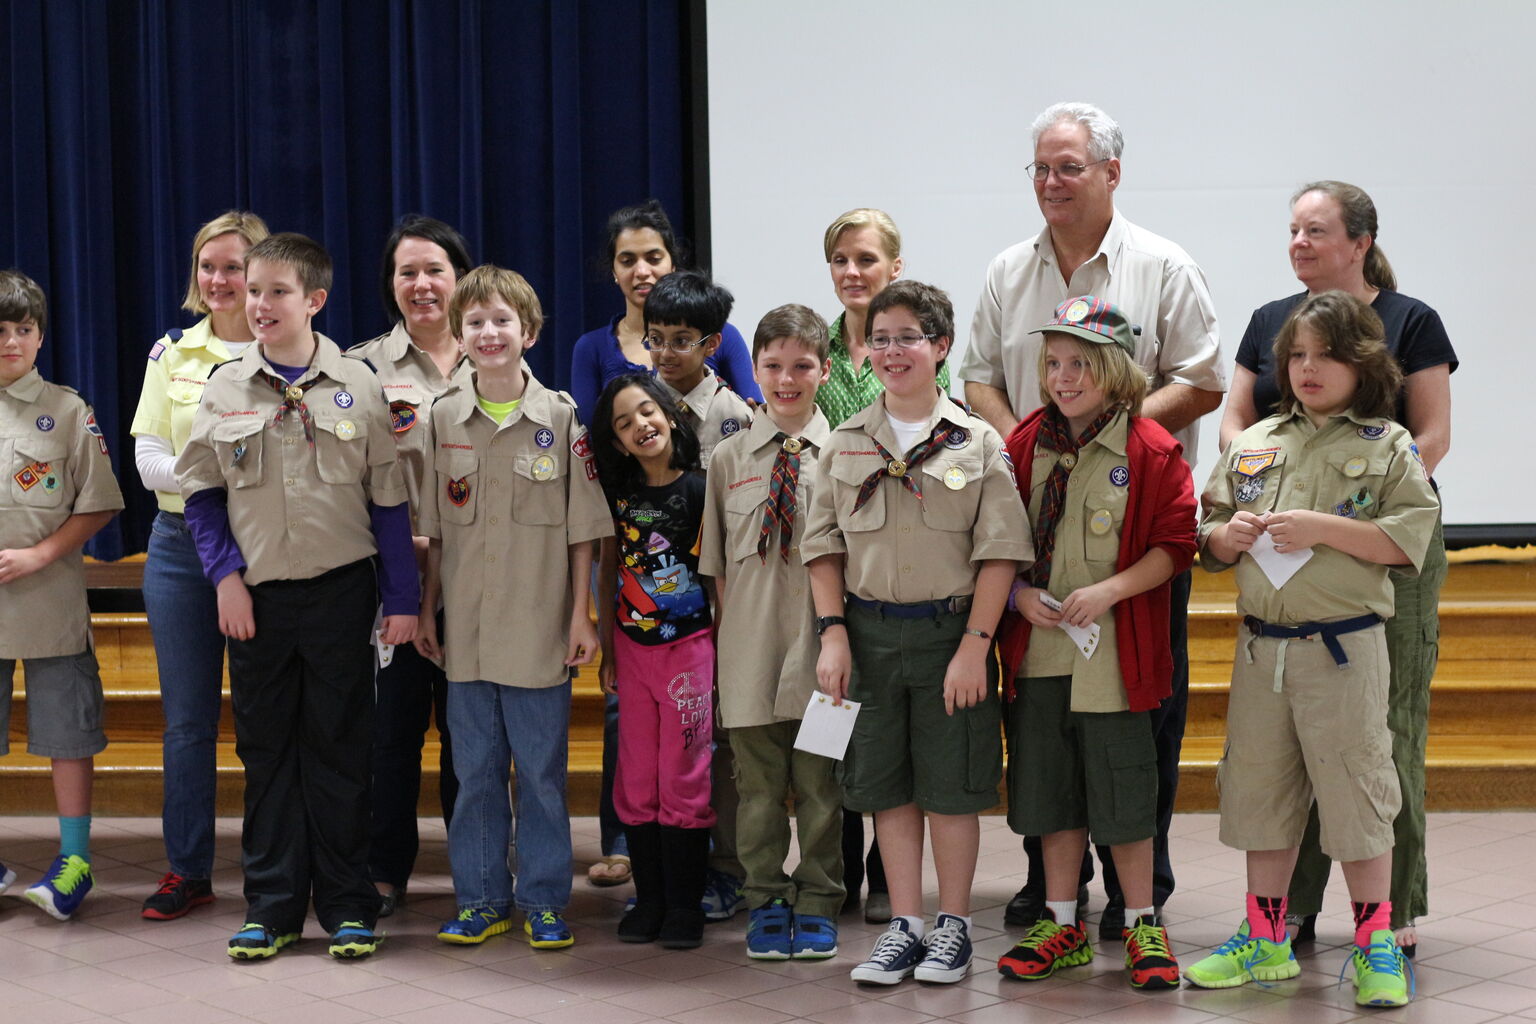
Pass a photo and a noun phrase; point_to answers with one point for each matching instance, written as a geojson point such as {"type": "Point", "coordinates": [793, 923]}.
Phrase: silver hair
{"type": "Point", "coordinates": [1104, 138]}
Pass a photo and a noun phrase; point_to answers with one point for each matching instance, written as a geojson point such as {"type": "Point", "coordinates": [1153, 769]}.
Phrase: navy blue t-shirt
{"type": "Point", "coordinates": [660, 598]}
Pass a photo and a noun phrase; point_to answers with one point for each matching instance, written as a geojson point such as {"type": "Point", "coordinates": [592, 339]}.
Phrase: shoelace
{"type": "Point", "coordinates": [1382, 958]}
{"type": "Point", "coordinates": [69, 875]}
{"type": "Point", "coordinates": [1235, 945]}
{"type": "Point", "coordinates": [945, 943]}
{"type": "Point", "coordinates": [1042, 934]}
{"type": "Point", "coordinates": [470, 913]}
{"type": "Point", "coordinates": [1150, 940]}
{"type": "Point", "coordinates": [170, 883]}
{"type": "Point", "coordinates": [545, 917]}
{"type": "Point", "coordinates": [890, 945]}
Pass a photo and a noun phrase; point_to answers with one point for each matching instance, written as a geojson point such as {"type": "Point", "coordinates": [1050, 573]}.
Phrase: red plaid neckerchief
{"type": "Point", "coordinates": [904, 473]}
{"type": "Point", "coordinates": [293, 398]}
{"type": "Point", "coordinates": [1056, 435]}
{"type": "Point", "coordinates": [781, 494]}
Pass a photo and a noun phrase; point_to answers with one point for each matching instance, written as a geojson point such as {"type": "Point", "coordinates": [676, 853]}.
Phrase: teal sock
{"type": "Point", "coordinates": [75, 837]}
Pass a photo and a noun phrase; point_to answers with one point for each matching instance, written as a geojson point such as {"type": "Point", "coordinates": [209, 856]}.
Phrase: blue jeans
{"type": "Point", "coordinates": [184, 618]}
{"type": "Point", "coordinates": [494, 727]}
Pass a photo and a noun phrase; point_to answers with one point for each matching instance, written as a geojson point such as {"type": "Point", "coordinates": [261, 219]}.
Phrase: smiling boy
{"type": "Point", "coordinates": [684, 315]}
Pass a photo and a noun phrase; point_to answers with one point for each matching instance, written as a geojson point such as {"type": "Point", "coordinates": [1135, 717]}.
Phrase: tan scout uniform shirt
{"type": "Point", "coordinates": [1354, 466]}
{"type": "Point", "coordinates": [173, 386]}
{"type": "Point", "coordinates": [56, 466]}
{"type": "Point", "coordinates": [767, 640]}
{"type": "Point", "coordinates": [411, 381]}
{"type": "Point", "coordinates": [507, 502]}
{"type": "Point", "coordinates": [714, 411]}
{"type": "Point", "coordinates": [902, 550]}
{"type": "Point", "coordinates": [1087, 548]}
{"type": "Point", "coordinates": [296, 512]}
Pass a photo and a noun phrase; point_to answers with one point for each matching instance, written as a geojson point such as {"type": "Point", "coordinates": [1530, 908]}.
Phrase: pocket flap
{"type": "Point", "coordinates": [236, 427]}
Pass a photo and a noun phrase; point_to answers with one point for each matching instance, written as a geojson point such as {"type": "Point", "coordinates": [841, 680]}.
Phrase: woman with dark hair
{"type": "Point", "coordinates": [642, 249]}
{"type": "Point", "coordinates": [180, 602]}
{"type": "Point", "coordinates": [416, 361]}
{"type": "Point", "coordinates": [1333, 247]}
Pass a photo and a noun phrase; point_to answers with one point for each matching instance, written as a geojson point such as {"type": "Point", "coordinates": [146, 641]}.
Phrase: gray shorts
{"type": "Point", "coordinates": [64, 706]}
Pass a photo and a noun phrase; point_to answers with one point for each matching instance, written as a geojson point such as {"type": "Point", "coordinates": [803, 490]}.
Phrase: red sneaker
{"type": "Point", "coordinates": [1147, 956]}
{"type": "Point", "coordinates": [1045, 947]}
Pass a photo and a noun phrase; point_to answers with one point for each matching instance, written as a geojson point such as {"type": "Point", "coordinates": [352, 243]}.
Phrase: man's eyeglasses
{"type": "Point", "coordinates": [1066, 172]}
{"type": "Point", "coordinates": [880, 342]}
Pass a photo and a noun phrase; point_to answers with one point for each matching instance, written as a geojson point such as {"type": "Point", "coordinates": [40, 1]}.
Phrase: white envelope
{"type": "Point", "coordinates": [826, 727]}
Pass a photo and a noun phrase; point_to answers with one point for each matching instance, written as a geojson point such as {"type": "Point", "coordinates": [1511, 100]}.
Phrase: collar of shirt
{"type": "Point", "coordinates": [1109, 246]}
{"type": "Point", "coordinates": [872, 421]}
{"type": "Point", "coordinates": [398, 346]}
{"type": "Point", "coordinates": [536, 404]}
{"type": "Point", "coordinates": [763, 431]}
{"type": "Point", "coordinates": [200, 335]}
{"type": "Point", "coordinates": [327, 361]}
{"type": "Point", "coordinates": [698, 399]}
{"type": "Point", "coordinates": [27, 387]}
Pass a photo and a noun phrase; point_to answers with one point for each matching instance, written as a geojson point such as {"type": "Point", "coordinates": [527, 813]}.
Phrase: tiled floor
{"type": "Point", "coordinates": [1477, 959]}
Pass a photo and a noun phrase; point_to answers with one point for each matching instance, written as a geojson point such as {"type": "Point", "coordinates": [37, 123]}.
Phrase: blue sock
{"type": "Point", "coordinates": [75, 837]}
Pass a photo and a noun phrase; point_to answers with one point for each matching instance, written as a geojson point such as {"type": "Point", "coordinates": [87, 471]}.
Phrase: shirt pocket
{"type": "Point", "coordinates": [951, 493]}
{"type": "Point", "coordinates": [538, 490]}
{"type": "Point", "coordinates": [744, 521]}
{"type": "Point", "coordinates": [185, 391]}
{"type": "Point", "coordinates": [237, 443]}
{"type": "Point", "coordinates": [848, 475]}
{"type": "Point", "coordinates": [1104, 514]}
{"type": "Point", "coordinates": [1354, 481]}
{"type": "Point", "coordinates": [38, 468]}
{"type": "Point", "coordinates": [1255, 480]}
{"type": "Point", "coordinates": [341, 449]}
{"type": "Point", "coordinates": [458, 483]}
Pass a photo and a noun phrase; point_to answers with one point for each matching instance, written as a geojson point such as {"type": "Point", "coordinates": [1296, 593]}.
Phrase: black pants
{"type": "Point", "coordinates": [302, 691]}
{"type": "Point", "coordinates": [1168, 733]}
{"type": "Point", "coordinates": [410, 692]}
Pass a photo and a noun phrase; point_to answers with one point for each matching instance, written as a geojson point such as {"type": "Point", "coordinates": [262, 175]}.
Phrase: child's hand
{"type": "Point", "coordinates": [399, 629]}
{"type": "Point", "coordinates": [426, 639]}
{"type": "Point", "coordinates": [1298, 529]}
{"type": "Point", "coordinates": [19, 563]}
{"type": "Point", "coordinates": [1086, 604]}
{"type": "Point", "coordinates": [835, 664]}
{"type": "Point", "coordinates": [607, 673]}
{"type": "Point", "coordinates": [965, 680]}
{"type": "Point", "coordinates": [1034, 610]}
{"type": "Point", "coordinates": [583, 644]}
{"type": "Point", "coordinates": [1243, 530]}
{"type": "Point", "coordinates": [237, 620]}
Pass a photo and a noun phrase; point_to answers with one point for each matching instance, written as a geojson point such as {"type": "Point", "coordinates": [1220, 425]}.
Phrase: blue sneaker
{"type": "Point", "coordinates": [815, 937]}
{"type": "Point", "coordinates": [474, 925]}
{"type": "Point", "coordinates": [63, 887]}
{"type": "Point", "coordinates": [896, 955]}
{"type": "Point", "coordinates": [768, 931]}
{"type": "Point", "coordinates": [7, 876]}
{"type": "Point", "coordinates": [722, 896]}
{"type": "Point", "coordinates": [948, 956]}
{"type": "Point", "coordinates": [354, 941]}
{"type": "Point", "coordinates": [258, 942]}
{"type": "Point", "coordinates": [546, 929]}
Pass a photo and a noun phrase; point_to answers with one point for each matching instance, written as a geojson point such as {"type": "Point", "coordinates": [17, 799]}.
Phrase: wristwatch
{"type": "Point", "coordinates": [826, 622]}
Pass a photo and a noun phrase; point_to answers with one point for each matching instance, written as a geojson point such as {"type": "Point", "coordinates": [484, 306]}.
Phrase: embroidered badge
{"type": "Point", "coordinates": [402, 416]}
{"type": "Point", "coordinates": [1254, 463]}
{"type": "Point", "coordinates": [1120, 476]}
{"type": "Point", "coordinates": [1008, 461]}
{"type": "Point", "coordinates": [45, 423]}
{"type": "Point", "coordinates": [582, 447]}
{"type": "Point", "coordinates": [544, 438]}
{"type": "Point", "coordinates": [729, 427]}
{"type": "Point", "coordinates": [1375, 433]}
{"type": "Point", "coordinates": [50, 479]}
{"type": "Point", "coordinates": [157, 351]}
{"type": "Point", "coordinates": [458, 491]}
{"type": "Point", "coordinates": [344, 399]}
{"type": "Point", "coordinates": [1419, 459]}
{"type": "Point", "coordinates": [95, 431]}
{"type": "Point", "coordinates": [30, 476]}
{"type": "Point", "coordinates": [591, 468]}
{"type": "Point", "coordinates": [1250, 489]}
{"type": "Point", "coordinates": [957, 438]}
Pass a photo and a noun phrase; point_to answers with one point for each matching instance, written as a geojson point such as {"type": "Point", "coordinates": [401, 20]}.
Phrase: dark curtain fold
{"type": "Point", "coordinates": [128, 123]}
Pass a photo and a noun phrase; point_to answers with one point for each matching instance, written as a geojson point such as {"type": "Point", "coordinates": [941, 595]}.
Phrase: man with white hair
{"type": "Point", "coordinates": [1089, 248]}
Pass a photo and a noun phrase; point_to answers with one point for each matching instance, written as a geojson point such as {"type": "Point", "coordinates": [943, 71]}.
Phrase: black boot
{"type": "Point", "coordinates": [643, 922]}
{"type": "Point", "coordinates": [685, 858]}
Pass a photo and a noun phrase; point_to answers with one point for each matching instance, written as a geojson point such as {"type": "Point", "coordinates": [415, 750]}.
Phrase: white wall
{"type": "Point", "coordinates": [923, 109]}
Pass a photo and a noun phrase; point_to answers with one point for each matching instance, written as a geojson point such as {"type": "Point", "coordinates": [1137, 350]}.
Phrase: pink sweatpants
{"type": "Point", "coordinates": [666, 730]}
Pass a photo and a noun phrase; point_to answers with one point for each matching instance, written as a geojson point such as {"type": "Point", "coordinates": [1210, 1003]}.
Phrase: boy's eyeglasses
{"type": "Point", "coordinates": [1066, 172]}
{"type": "Point", "coordinates": [880, 342]}
{"type": "Point", "coordinates": [678, 345]}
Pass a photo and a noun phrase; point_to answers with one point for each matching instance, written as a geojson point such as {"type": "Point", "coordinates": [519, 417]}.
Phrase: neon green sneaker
{"type": "Point", "coordinates": [1383, 976]}
{"type": "Point", "coordinates": [1241, 959]}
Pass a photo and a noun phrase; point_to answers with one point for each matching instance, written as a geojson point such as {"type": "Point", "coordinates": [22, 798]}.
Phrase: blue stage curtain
{"type": "Point", "coordinates": [129, 123]}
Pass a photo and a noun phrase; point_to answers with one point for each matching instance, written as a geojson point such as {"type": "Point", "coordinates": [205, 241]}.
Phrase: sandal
{"type": "Point", "coordinates": [610, 870]}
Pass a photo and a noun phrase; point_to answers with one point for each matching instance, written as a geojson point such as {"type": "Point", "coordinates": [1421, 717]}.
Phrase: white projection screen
{"type": "Point", "coordinates": [923, 109]}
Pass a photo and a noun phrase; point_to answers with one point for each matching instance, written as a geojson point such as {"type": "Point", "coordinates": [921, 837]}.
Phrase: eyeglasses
{"type": "Point", "coordinates": [880, 342]}
{"type": "Point", "coordinates": [1066, 172]}
{"type": "Point", "coordinates": [655, 343]}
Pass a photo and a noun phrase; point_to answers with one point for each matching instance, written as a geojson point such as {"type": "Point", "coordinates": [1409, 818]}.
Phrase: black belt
{"type": "Point", "coordinates": [917, 610]}
{"type": "Point", "coordinates": [1329, 631]}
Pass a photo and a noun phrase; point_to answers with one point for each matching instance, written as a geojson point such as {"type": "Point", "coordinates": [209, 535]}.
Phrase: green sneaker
{"type": "Point", "coordinates": [1241, 959]}
{"type": "Point", "coordinates": [1383, 976]}
{"type": "Point", "coordinates": [258, 942]}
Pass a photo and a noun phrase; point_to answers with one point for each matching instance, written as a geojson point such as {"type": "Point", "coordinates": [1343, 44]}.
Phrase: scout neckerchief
{"type": "Point", "coordinates": [781, 495]}
{"type": "Point", "coordinates": [1056, 435]}
{"type": "Point", "coordinates": [902, 469]}
{"type": "Point", "coordinates": [293, 398]}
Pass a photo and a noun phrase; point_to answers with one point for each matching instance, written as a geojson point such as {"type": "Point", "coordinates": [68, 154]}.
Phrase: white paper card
{"type": "Point", "coordinates": [386, 651]}
{"type": "Point", "coordinates": [1087, 640]}
{"type": "Point", "coordinates": [826, 727]}
{"type": "Point", "coordinates": [1278, 566]}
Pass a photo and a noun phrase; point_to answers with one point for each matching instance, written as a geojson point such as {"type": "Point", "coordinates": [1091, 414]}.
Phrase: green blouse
{"type": "Point", "coordinates": [848, 390]}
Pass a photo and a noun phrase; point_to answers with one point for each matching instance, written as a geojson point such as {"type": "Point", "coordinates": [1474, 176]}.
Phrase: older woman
{"type": "Point", "coordinates": [416, 361]}
{"type": "Point", "coordinates": [863, 250]}
{"type": "Point", "coordinates": [183, 612]}
{"type": "Point", "coordinates": [1333, 246]}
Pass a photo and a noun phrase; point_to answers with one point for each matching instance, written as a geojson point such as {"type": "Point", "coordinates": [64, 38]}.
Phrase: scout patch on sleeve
{"type": "Point", "coordinates": [1256, 462]}
{"type": "Point", "coordinates": [95, 431]}
{"type": "Point", "coordinates": [1008, 461]}
{"type": "Point", "coordinates": [1414, 448]}
{"type": "Point", "coordinates": [458, 491]}
{"type": "Point", "coordinates": [156, 351]}
{"type": "Point", "coordinates": [582, 447]}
